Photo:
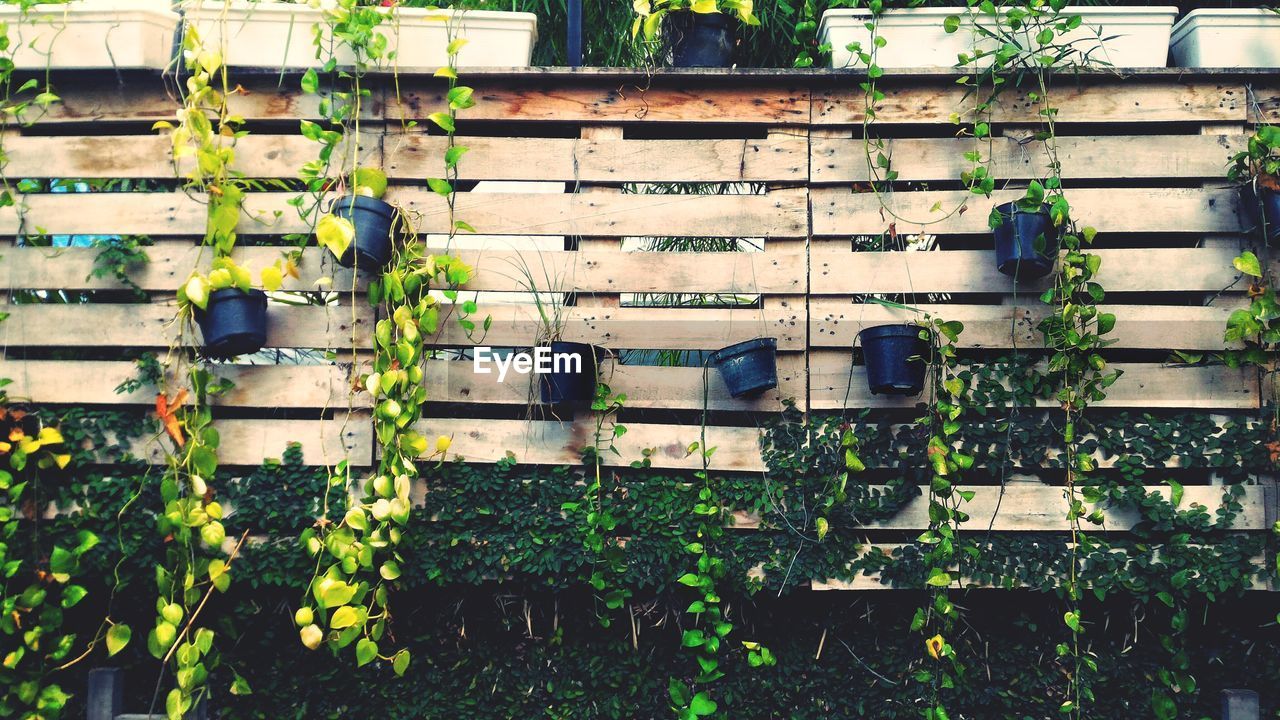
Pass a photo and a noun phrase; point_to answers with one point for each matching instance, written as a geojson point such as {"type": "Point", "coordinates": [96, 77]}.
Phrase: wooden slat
{"type": "Point", "coordinates": [145, 97]}
{"type": "Point", "coordinates": [1143, 385]}
{"type": "Point", "coordinates": [837, 211]}
{"type": "Point", "coordinates": [640, 328]}
{"type": "Point", "coordinates": [150, 326]}
{"type": "Point", "coordinates": [1095, 156]}
{"type": "Point", "coordinates": [169, 265]}
{"type": "Point", "coordinates": [491, 213]}
{"type": "Point", "coordinates": [834, 323]}
{"type": "Point", "coordinates": [676, 388]}
{"type": "Point", "coordinates": [1033, 507]}
{"type": "Point", "coordinates": [94, 382]}
{"type": "Point", "coordinates": [249, 442]}
{"type": "Point", "coordinates": [526, 99]}
{"type": "Point", "coordinates": [603, 160]}
{"type": "Point", "coordinates": [555, 443]}
{"type": "Point", "coordinates": [872, 581]}
{"type": "Point", "coordinates": [150, 156]}
{"type": "Point", "coordinates": [974, 271]}
{"type": "Point", "coordinates": [918, 102]}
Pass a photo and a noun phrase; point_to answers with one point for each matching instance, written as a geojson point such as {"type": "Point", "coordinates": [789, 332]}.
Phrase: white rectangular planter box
{"type": "Point", "coordinates": [280, 35]}
{"type": "Point", "coordinates": [120, 34]}
{"type": "Point", "coordinates": [1115, 36]}
{"type": "Point", "coordinates": [1227, 38]}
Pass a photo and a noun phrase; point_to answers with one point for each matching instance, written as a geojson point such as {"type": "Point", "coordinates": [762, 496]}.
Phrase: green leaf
{"type": "Point", "coordinates": [310, 81]}
{"type": "Point", "coordinates": [443, 120]}
{"type": "Point", "coordinates": [1248, 264]}
{"type": "Point", "coordinates": [702, 704]}
{"type": "Point", "coordinates": [72, 595]}
{"type": "Point", "coordinates": [400, 662]}
{"type": "Point", "coordinates": [366, 651]}
{"type": "Point", "coordinates": [118, 637]}
{"type": "Point", "coordinates": [939, 577]}
{"type": "Point", "coordinates": [344, 617]}
{"type": "Point", "coordinates": [335, 233]}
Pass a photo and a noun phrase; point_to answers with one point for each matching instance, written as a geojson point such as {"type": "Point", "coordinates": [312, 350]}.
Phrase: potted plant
{"type": "Point", "coordinates": [1026, 238]}
{"type": "Point", "coordinates": [896, 358]}
{"type": "Point", "coordinates": [1227, 37]}
{"type": "Point", "coordinates": [120, 34]}
{"type": "Point", "coordinates": [575, 369]}
{"type": "Point", "coordinates": [278, 34]}
{"type": "Point", "coordinates": [695, 33]}
{"type": "Point", "coordinates": [1257, 169]}
{"type": "Point", "coordinates": [748, 368]}
{"type": "Point", "coordinates": [359, 227]}
{"type": "Point", "coordinates": [232, 314]}
{"type": "Point", "coordinates": [914, 37]}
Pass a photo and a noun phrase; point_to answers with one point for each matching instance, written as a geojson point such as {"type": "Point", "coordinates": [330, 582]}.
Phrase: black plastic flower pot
{"type": "Point", "coordinates": [574, 370]}
{"type": "Point", "coordinates": [748, 368]}
{"type": "Point", "coordinates": [1261, 206]}
{"type": "Point", "coordinates": [233, 323]}
{"type": "Point", "coordinates": [1026, 242]}
{"type": "Point", "coordinates": [895, 356]}
{"type": "Point", "coordinates": [700, 39]}
{"type": "Point", "coordinates": [373, 219]}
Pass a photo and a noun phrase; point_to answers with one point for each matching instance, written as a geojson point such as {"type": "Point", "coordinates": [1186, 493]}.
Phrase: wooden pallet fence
{"type": "Point", "coordinates": [777, 159]}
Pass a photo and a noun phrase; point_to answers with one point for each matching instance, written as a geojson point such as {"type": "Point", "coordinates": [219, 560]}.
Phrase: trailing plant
{"type": "Point", "coordinates": [594, 511]}
{"type": "Point", "coordinates": [357, 560]}
{"type": "Point", "coordinates": [943, 551]}
{"type": "Point", "coordinates": [37, 582]}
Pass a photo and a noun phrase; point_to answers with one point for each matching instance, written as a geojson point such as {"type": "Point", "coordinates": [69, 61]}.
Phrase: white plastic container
{"type": "Point", "coordinates": [119, 34]}
{"type": "Point", "coordinates": [914, 37]}
{"type": "Point", "coordinates": [281, 35]}
{"type": "Point", "coordinates": [1246, 38]}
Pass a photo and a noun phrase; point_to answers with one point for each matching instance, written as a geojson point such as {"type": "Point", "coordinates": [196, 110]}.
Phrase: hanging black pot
{"type": "Point", "coordinates": [1026, 242]}
{"type": "Point", "coordinates": [372, 218]}
{"type": "Point", "coordinates": [1261, 205]}
{"type": "Point", "coordinates": [700, 39]}
{"type": "Point", "coordinates": [895, 356]}
{"type": "Point", "coordinates": [574, 370]}
{"type": "Point", "coordinates": [233, 323]}
{"type": "Point", "coordinates": [748, 368]}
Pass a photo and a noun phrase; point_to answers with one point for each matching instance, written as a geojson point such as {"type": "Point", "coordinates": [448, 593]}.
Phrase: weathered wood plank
{"type": "Point", "coordinates": [611, 161]}
{"type": "Point", "coordinates": [1096, 156]}
{"type": "Point", "coordinates": [94, 382]}
{"type": "Point", "coordinates": [1033, 507]}
{"type": "Point", "coordinates": [145, 97]}
{"type": "Point", "coordinates": [872, 581]}
{"type": "Point", "coordinates": [496, 270]}
{"type": "Point", "coordinates": [1144, 385]}
{"type": "Point", "coordinates": [915, 101]}
{"type": "Point", "coordinates": [151, 326]}
{"type": "Point", "coordinates": [249, 442]}
{"type": "Point", "coordinates": [526, 99]}
{"type": "Point", "coordinates": [835, 323]}
{"type": "Point", "coordinates": [150, 156]}
{"type": "Point", "coordinates": [973, 271]}
{"type": "Point", "coordinates": [176, 213]}
{"type": "Point", "coordinates": [837, 211]}
{"type": "Point", "coordinates": [169, 265]}
{"type": "Point", "coordinates": [640, 328]}
{"type": "Point", "coordinates": [556, 443]}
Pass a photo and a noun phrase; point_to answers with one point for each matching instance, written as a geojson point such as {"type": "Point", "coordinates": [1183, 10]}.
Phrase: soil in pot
{"type": "Point", "coordinates": [700, 39]}
{"type": "Point", "coordinates": [233, 323]}
{"type": "Point", "coordinates": [571, 382]}
{"type": "Point", "coordinates": [1260, 201]}
{"type": "Point", "coordinates": [1026, 242]}
{"type": "Point", "coordinates": [748, 368]}
{"type": "Point", "coordinates": [373, 220]}
{"type": "Point", "coordinates": [896, 359]}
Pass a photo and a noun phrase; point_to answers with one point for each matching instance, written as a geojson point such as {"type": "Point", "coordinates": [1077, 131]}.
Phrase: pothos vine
{"type": "Point", "coordinates": [357, 560]}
